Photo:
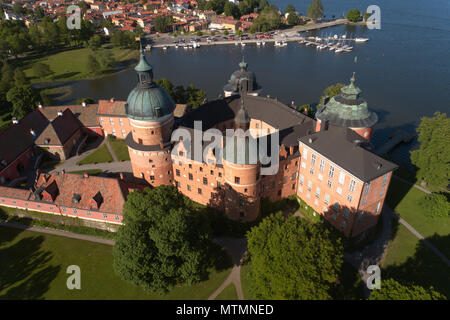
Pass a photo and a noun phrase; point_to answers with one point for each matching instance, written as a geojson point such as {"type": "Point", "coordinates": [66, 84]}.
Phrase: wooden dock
{"type": "Point", "coordinates": [398, 137]}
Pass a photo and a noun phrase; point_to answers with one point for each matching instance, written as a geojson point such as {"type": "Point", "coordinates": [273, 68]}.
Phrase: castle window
{"type": "Point", "coordinates": [88, 213]}
{"type": "Point", "coordinates": [121, 121]}
{"type": "Point", "coordinates": [140, 141]}
{"type": "Point", "coordinates": [123, 133]}
{"type": "Point", "coordinates": [180, 153]}
{"type": "Point", "coordinates": [245, 190]}
{"type": "Point", "coordinates": [293, 186]}
{"type": "Point", "coordinates": [331, 172]}
{"type": "Point", "coordinates": [378, 207]}
{"type": "Point", "coordinates": [205, 181]}
{"type": "Point", "coordinates": [349, 198]}
{"type": "Point", "coordinates": [220, 174]}
{"type": "Point", "coordinates": [309, 185]}
{"type": "Point", "coordinates": [322, 165]}
{"type": "Point", "coordinates": [150, 160]}
{"type": "Point", "coordinates": [311, 171]}
{"type": "Point", "coordinates": [199, 191]}
{"type": "Point", "coordinates": [153, 132]}
{"type": "Point", "coordinates": [352, 185]}
{"type": "Point", "coordinates": [326, 200]}
{"type": "Point", "coordinates": [190, 166]}
{"type": "Point", "coordinates": [341, 177]}
{"type": "Point", "coordinates": [201, 169]}
{"type": "Point", "coordinates": [116, 217]}
{"type": "Point", "coordinates": [313, 159]}
{"type": "Point", "coordinates": [339, 190]}
{"type": "Point", "coordinates": [113, 132]}
{"type": "Point", "coordinates": [111, 121]}
{"type": "Point", "coordinates": [237, 180]}
{"type": "Point", "coordinates": [329, 184]}
{"type": "Point", "coordinates": [105, 216]}
{"type": "Point", "coordinates": [152, 178]}
{"type": "Point", "coordinates": [177, 171]}
{"type": "Point", "coordinates": [211, 172]}
{"type": "Point", "coordinates": [363, 202]}
{"type": "Point", "coordinates": [190, 176]}
{"type": "Point", "coordinates": [305, 154]}
{"type": "Point", "coordinates": [189, 187]}
{"type": "Point", "coordinates": [218, 185]}
{"type": "Point", "coordinates": [178, 184]}
{"type": "Point", "coordinates": [367, 188]}
{"type": "Point", "coordinates": [317, 192]}
{"type": "Point", "coordinates": [302, 179]}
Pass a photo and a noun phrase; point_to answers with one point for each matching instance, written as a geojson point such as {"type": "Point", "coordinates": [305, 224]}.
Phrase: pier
{"type": "Point", "coordinates": [398, 137]}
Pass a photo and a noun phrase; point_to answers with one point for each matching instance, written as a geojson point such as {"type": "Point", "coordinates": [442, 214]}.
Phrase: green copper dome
{"type": "Point", "coordinates": [148, 101]}
{"type": "Point", "coordinates": [348, 109]}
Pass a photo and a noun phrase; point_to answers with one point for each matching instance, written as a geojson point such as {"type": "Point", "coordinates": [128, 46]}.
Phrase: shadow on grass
{"type": "Point", "coordinates": [65, 75]}
{"type": "Point", "coordinates": [19, 263]}
{"type": "Point", "coordinates": [350, 285]}
{"type": "Point", "coordinates": [425, 268]}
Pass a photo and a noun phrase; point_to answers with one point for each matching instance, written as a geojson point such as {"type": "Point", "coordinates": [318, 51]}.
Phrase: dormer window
{"type": "Point", "coordinates": [76, 198]}
{"type": "Point", "coordinates": [96, 201]}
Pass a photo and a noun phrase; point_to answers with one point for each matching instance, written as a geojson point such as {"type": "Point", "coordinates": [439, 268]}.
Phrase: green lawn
{"type": "Point", "coordinates": [120, 149]}
{"type": "Point", "coordinates": [92, 172]}
{"type": "Point", "coordinates": [229, 293]}
{"type": "Point", "coordinates": [100, 155]}
{"type": "Point", "coordinates": [404, 200]}
{"type": "Point", "coordinates": [72, 64]}
{"type": "Point", "coordinates": [409, 261]}
{"type": "Point", "coordinates": [33, 266]}
{"type": "Point", "coordinates": [245, 282]}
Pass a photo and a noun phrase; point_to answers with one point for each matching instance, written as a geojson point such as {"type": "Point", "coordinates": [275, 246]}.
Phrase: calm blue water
{"type": "Point", "coordinates": [404, 70]}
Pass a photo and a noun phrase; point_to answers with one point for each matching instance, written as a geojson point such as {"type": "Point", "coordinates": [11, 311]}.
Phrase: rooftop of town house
{"type": "Point", "coordinates": [85, 114]}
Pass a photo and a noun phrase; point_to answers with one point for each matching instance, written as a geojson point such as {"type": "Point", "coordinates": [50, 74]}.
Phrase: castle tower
{"type": "Point", "coordinates": [241, 171]}
{"type": "Point", "coordinates": [348, 110]}
{"type": "Point", "coordinates": [150, 110]}
{"type": "Point", "coordinates": [242, 80]}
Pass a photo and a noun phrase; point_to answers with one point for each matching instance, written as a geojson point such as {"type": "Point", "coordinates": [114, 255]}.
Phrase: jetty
{"type": "Point", "coordinates": [398, 137]}
{"type": "Point", "coordinates": [290, 35]}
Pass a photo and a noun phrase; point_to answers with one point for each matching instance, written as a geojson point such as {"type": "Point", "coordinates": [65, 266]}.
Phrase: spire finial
{"type": "Point", "coordinates": [352, 79]}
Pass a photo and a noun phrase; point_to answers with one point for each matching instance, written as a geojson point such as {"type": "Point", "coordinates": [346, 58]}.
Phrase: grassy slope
{"type": "Point", "coordinates": [404, 200]}
{"type": "Point", "coordinates": [100, 155]}
{"type": "Point", "coordinates": [120, 149]}
{"type": "Point", "coordinates": [229, 293]}
{"type": "Point", "coordinates": [33, 266]}
{"type": "Point", "coordinates": [72, 64]}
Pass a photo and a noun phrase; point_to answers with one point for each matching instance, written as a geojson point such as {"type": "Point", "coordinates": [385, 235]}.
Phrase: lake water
{"type": "Point", "coordinates": [403, 71]}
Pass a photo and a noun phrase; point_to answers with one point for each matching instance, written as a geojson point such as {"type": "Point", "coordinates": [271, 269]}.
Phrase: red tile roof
{"type": "Point", "coordinates": [15, 193]}
{"type": "Point", "coordinates": [70, 184]}
{"type": "Point", "coordinates": [108, 107]}
{"type": "Point", "coordinates": [86, 115]}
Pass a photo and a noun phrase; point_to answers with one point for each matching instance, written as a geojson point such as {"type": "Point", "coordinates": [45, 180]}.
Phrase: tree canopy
{"type": "Point", "coordinates": [268, 19]}
{"type": "Point", "coordinates": [393, 290]}
{"type": "Point", "coordinates": [353, 15]}
{"type": "Point", "coordinates": [190, 95]}
{"type": "Point", "coordinates": [433, 156]}
{"type": "Point", "coordinates": [331, 91]}
{"type": "Point", "coordinates": [315, 10]}
{"type": "Point", "coordinates": [162, 243]}
{"type": "Point", "coordinates": [292, 258]}
{"type": "Point", "coordinates": [23, 99]}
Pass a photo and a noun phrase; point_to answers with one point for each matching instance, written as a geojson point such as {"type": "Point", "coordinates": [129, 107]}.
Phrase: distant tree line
{"type": "Point", "coordinates": [189, 95]}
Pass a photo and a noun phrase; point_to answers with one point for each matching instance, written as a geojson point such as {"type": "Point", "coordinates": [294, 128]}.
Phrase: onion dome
{"type": "Point", "coordinates": [347, 109]}
{"type": "Point", "coordinates": [241, 79]}
{"type": "Point", "coordinates": [148, 101]}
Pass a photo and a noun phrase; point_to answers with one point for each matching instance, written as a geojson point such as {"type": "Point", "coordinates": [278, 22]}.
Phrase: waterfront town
{"type": "Point", "coordinates": [184, 197]}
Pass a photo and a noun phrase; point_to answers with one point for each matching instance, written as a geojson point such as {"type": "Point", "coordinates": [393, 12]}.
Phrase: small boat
{"type": "Point", "coordinates": [242, 44]}
{"type": "Point", "coordinates": [176, 46]}
{"type": "Point", "coordinates": [236, 43]}
{"type": "Point", "coordinates": [339, 50]}
{"type": "Point", "coordinates": [258, 43]}
{"type": "Point", "coordinates": [164, 48]}
{"type": "Point", "coordinates": [263, 43]}
{"type": "Point", "coordinates": [361, 39]}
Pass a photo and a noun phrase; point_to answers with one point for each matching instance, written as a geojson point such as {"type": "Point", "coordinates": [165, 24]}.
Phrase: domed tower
{"type": "Point", "coordinates": [348, 110]}
{"type": "Point", "coordinates": [150, 110]}
{"type": "Point", "coordinates": [241, 171]}
{"type": "Point", "coordinates": [242, 80]}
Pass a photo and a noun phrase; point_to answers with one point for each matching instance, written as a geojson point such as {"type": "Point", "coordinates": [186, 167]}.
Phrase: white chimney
{"type": "Point", "coordinates": [33, 133]}
{"type": "Point", "coordinates": [40, 106]}
{"type": "Point", "coordinates": [15, 121]}
{"type": "Point", "coordinates": [83, 104]}
{"type": "Point", "coordinates": [60, 113]}
{"type": "Point", "coordinates": [111, 100]}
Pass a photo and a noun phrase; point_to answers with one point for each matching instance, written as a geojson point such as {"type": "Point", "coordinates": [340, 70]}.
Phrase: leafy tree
{"type": "Point", "coordinates": [436, 205]}
{"type": "Point", "coordinates": [106, 59]}
{"type": "Point", "coordinates": [41, 70]}
{"type": "Point", "coordinates": [18, 8]}
{"type": "Point", "coordinates": [191, 95]}
{"type": "Point", "coordinates": [87, 100]}
{"type": "Point", "coordinates": [93, 65]}
{"type": "Point", "coordinates": [95, 42]}
{"type": "Point", "coordinates": [315, 10]}
{"type": "Point", "coordinates": [39, 13]}
{"type": "Point", "coordinates": [292, 258]}
{"type": "Point", "coordinates": [366, 15]}
{"type": "Point", "coordinates": [162, 23]}
{"type": "Point", "coordinates": [139, 31]}
{"type": "Point", "coordinates": [353, 15]}
{"type": "Point", "coordinates": [230, 9]}
{"type": "Point", "coordinates": [268, 19]}
{"type": "Point", "coordinates": [292, 19]}
{"type": "Point", "coordinates": [331, 91]}
{"type": "Point", "coordinates": [162, 242]}
{"type": "Point", "coordinates": [217, 6]}
{"type": "Point", "coordinates": [433, 156]}
{"type": "Point", "coordinates": [23, 99]}
{"type": "Point", "coordinates": [393, 290]}
{"type": "Point", "coordinates": [19, 78]}
{"type": "Point", "coordinates": [290, 9]}
{"type": "Point", "coordinates": [306, 109]}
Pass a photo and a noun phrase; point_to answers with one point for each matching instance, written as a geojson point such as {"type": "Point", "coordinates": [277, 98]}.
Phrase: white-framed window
{"type": "Point", "coordinates": [305, 154]}
{"type": "Point", "coordinates": [349, 198]}
{"type": "Point", "coordinates": [114, 132]}
{"type": "Point", "coordinates": [316, 202]}
{"type": "Point", "coordinates": [101, 121]}
{"type": "Point", "coordinates": [111, 121]}
{"type": "Point", "coordinates": [313, 159]}
{"type": "Point", "coordinates": [302, 179]}
{"type": "Point", "coordinates": [123, 133]}
{"type": "Point", "coordinates": [329, 184]}
{"type": "Point", "coordinates": [311, 170]}
{"type": "Point", "coordinates": [385, 179]}
{"type": "Point", "coordinates": [331, 172]}
{"type": "Point", "coordinates": [309, 185]}
{"type": "Point", "coordinates": [320, 177]}
{"type": "Point", "coordinates": [326, 200]}
{"type": "Point", "coordinates": [322, 165]}
{"type": "Point", "coordinates": [303, 165]}
{"type": "Point", "coordinates": [377, 207]}
{"type": "Point", "coordinates": [300, 189]}
{"type": "Point", "coordinates": [308, 195]}
{"type": "Point", "coordinates": [352, 185]}
{"type": "Point", "coordinates": [366, 191]}
{"type": "Point", "coordinates": [121, 121]}
{"type": "Point", "coordinates": [317, 192]}
{"type": "Point", "coordinates": [339, 190]}
{"type": "Point", "coordinates": [341, 177]}
{"type": "Point", "coordinates": [325, 209]}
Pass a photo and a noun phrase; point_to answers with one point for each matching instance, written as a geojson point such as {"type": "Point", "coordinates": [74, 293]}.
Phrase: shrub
{"type": "Point", "coordinates": [436, 205]}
